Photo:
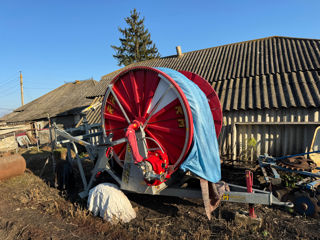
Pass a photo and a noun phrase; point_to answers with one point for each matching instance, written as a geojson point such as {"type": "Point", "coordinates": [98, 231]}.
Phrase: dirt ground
{"type": "Point", "coordinates": [31, 209]}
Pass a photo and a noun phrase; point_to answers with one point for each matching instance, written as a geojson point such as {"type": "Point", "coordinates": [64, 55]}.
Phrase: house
{"type": "Point", "coordinates": [63, 105]}
{"type": "Point", "coordinates": [268, 88]}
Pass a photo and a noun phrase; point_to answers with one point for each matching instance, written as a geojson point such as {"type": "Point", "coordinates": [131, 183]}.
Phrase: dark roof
{"type": "Point", "coordinates": [284, 90]}
{"type": "Point", "coordinates": [273, 72]}
{"type": "Point", "coordinates": [66, 99]}
{"type": "Point", "coordinates": [255, 58]}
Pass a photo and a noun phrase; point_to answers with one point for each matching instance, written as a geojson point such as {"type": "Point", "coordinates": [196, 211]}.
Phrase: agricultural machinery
{"type": "Point", "coordinates": [305, 167]}
{"type": "Point", "coordinates": [159, 133]}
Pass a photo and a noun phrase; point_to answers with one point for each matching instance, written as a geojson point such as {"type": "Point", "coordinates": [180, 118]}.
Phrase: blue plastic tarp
{"type": "Point", "coordinates": [203, 158]}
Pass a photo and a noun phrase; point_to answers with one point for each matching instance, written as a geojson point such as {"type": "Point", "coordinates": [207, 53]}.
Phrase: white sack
{"type": "Point", "coordinates": [110, 203]}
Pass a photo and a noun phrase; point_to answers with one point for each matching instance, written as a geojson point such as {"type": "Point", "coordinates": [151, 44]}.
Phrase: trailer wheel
{"type": "Point", "coordinates": [305, 204]}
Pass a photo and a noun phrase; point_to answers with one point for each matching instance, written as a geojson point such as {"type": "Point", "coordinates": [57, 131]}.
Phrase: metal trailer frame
{"type": "Point", "coordinates": [132, 179]}
{"type": "Point", "coordinates": [311, 182]}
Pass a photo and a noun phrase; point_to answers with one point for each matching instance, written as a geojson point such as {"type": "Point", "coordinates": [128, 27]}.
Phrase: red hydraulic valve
{"type": "Point", "coordinates": [131, 136]}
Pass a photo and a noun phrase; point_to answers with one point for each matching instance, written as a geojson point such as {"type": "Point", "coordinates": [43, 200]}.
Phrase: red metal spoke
{"type": "Point", "coordinates": [135, 93]}
{"type": "Point", "coordinates": [113, 107]}
{"type": "Point", "coordinates": [115, 117]}
{"type": "Point", "coordinates": [140, 81]}
{"type": "Point", "coordinates": [164, 120]}
{"type": "Point", "coordinates": [113, 104]}
{"type": "Point", "coordinates": [122, 88]}
{"type": "Point", "coordinates": [170, 146]}
{"type": "Point", "coordinates": [165, 110]}
{"type": "Point", "coordinates": [167, 140]}
{"type": "Point", "coordinates": [152, 81]}
{"type": "Point", "coordinates": [173, 131]}
{"type": "Point", "coordinates": [150, 134]}
{"type": "Point", "coordinates": [155, 107]}
{"type": "Point", "coordinates": [119, 149]}
{"type": "Point", "coordinates": [129, 89]}
{"type": "Point", "coordinates": [123, 102]}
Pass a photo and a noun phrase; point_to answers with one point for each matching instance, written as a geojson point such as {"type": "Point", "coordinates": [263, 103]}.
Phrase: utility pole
{"type": "Point", "coordinates": [21, 88]}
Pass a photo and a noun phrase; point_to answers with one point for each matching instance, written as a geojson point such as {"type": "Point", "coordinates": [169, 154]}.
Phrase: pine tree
{"type": "Point", "coordinates": [136, 44]}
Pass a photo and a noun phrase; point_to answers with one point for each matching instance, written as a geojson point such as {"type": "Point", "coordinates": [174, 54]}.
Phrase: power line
{"type": "Point", "coordinates": [8, 82]}
{"type": "Point", "coordinates": [7, 93]}
{"type": "Point", "coordinates": [38, 88]}
{"type": "Point", "coordinates": [4, 90]}
{"type": "Point", "coordinates": [2, 108]}
{"type": "Point", "coordinates": [14, 76]}
{"type": "Point", "coordinates": [8, 88]}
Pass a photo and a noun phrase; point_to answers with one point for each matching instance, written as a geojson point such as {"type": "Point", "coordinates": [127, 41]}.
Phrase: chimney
{"type": "Point", "coordinates": [179, 53]}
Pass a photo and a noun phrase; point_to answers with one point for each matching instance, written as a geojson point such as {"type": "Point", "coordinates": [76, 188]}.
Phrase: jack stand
{"type": "Point", "coordinates": [245, 218]}
{"type": "Point", "coordinates": [249, 181]}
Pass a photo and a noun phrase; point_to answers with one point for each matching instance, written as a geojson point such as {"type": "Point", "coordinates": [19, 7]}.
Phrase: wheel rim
{"type": "Point", "coordinates": [144, 94]}
{"type": "Point", "coordinates": [304, 204]}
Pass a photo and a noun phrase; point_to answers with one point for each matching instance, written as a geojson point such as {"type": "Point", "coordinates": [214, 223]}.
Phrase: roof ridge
{"type": "Point", "coordinates": [22, 108]}
{"type": "Point", "coordinates": [203, 49]}
{"type": "Point", "coordinates": [37, 99]}
{"type": "Point", "coordinates": [253, 40]}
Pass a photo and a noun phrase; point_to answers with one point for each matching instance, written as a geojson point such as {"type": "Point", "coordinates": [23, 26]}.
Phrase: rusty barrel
{"type": "Point", "coordinates": [11, 165]}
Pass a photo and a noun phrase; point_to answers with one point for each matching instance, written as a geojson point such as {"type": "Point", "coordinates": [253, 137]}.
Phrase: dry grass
{"type": "Point", "coordinates": [31, 209]}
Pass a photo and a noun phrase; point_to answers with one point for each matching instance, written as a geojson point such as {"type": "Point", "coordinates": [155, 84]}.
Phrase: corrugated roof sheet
{"type": "Point", "coordinates": [285, 90]}
{"type": "Point", "coordinates": [267, 56]}
{"type": "Point", "coordinates": [66, 99]}
{"type": "Point", "coordinates": [274, 72]}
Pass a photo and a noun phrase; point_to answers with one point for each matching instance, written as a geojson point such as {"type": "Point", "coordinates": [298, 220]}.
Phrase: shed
{"type": "Point", "coordinates": [63, 105]}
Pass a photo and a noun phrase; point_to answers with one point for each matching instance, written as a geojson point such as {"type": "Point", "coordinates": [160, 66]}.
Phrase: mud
{"type": "Point", "coordinates": [31, 209]}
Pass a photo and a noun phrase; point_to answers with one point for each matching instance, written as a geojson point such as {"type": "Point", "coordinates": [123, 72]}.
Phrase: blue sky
{"type": "Point", "coordinates": [53, 42]}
